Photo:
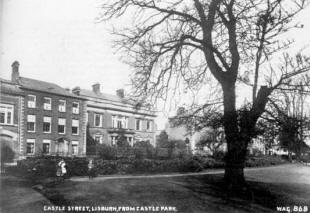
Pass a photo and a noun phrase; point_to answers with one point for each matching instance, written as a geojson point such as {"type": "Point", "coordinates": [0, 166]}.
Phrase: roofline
{"type": "Point", "coordinates": [117, 103]}
{"type": "Point", "coordinates": [54, 93]}
{"type": "Point", "coordinates": [13, 93]}
{"type": "Point", "coordinates": [121, 110]}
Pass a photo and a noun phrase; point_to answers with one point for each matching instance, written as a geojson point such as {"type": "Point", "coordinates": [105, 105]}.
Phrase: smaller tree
{"type": "Point", "coordinates": [212, 138]}
{"type": "Point", "coordinates": [91, 144]}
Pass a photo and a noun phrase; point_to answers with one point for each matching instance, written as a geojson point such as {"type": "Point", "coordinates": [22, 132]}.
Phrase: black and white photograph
{"type": "Point", "coordinates": [187, 106]}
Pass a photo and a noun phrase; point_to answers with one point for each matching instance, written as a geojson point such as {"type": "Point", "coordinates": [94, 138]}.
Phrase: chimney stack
{"type": "Point", "coordinates": [96, 88]}
{"type": "Point", "coordinates": [120, 93]}
{"type": "Point", "coordinates": [15, 72]}
{"type": "Point", "coordinates": [76, 90]}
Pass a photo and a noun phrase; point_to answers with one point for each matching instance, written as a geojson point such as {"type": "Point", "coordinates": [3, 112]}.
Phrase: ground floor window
{"type": "Point", "coordinates": [113, 140]}
{"type": "Point", "coordinates": [30, 146]}
{"type": "Point", "coordinates": [62, 146]}
{"type": "Point", "coordinates": [75, 147]}
{"type": "Point", "coordinates": [99, 139]}
{"type": "Point", "coordinates": [46, 149]}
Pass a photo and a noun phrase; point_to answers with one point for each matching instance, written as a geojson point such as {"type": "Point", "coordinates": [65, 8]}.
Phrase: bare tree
{"type": "Point", "coordinates": [287, 110]}
{"type": "Point", "coordinates": [176, 44]}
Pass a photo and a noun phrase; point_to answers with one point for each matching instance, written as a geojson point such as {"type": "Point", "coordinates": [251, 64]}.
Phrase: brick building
{"type": "Point", "coordinates": [112, 115]}
{"type": "Point", "coordinates": [11, 104]}
{"type": "Point", "coordinates": [53, 120]}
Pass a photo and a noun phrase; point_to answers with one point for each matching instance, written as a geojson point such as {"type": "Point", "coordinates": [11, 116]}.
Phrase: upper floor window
{"type": "Point", "coordinates": [138, 124]}
{"type": "Point", "coordinates": [30, 146]}
{"type": "Point", "coordinates": [62, 106]}
{"type": "Point", "coordinates": [31, 123]}
{"type": "Point", "coordinates": [75, 127]}
{"type": "Point", "coordinates": [97, 120]}
{"type": "Point", "coordinates": [6, 114]}
{"type": "Point", "coordinates": [75, 108]}
{"type": "Point", "coordinates": [120, 122]}
{"type": "Point", "coordinates": [61, 125]}
{"type": "Point", "coordinates": [47, 124]}
{"type": "Point", "coordinates": [46, 149]}
{"type": "Point", "coordinates": [149, 125]}
{"type": "Point", "coordinates": [31, 101]}
{"type": "Point", "coordinates": [47, 103]}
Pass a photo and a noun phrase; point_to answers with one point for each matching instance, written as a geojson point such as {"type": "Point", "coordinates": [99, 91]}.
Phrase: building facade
{"type": "Point", "coordinates": [110, 116]}
{"type": "Point", "coordinates": [11, 106]}
{"type": "Point", "coordinates": [52, 120]}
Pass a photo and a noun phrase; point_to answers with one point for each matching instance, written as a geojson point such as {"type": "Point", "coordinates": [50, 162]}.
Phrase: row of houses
{"type": "Point", "coordinates": [38, 117]}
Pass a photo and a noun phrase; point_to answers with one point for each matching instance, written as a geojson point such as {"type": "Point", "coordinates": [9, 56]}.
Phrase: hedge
{"type": "Point", "coordinates": [46, 166]}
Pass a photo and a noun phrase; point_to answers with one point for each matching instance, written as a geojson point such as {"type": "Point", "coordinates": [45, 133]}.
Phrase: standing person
{"type": "Point", "coordinates": [91, 169]}
{"type": "Point", "coordinates": [62, 170]}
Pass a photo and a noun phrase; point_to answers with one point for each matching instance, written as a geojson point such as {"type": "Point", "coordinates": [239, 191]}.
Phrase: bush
{"type": "Point", "coordinates": [45, 166]}
{"type": "Point", "coordinates": [219, 155]}
{"type": "Point", "coordinates": [138, 166]}
{"type": "Point", "coordinates": [208, 162]}
{"type": "Point", "coordinates": [106, 152]}
{"type": "Point", "coordinates": [305, 158]}
{"type": "Point", "coordinates": [264, 161]}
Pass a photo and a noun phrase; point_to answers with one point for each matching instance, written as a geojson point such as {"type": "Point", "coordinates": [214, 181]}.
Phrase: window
{"type": "Point", "coordinates": [75, 147]}
{"type": "Point", "coordinates": [30, 146]}
{"type": "Point", "coordinates": [97, 120]}
{"type": "Point", "coordinates": [138, 124]}
{"type": "Point", "coordinates": [75, 127]}
{"type": "Point", "coordinates": [149, 125]}
{"type": "Point", "coordinates": [120, 122]}
{"type": "Point", "coordinates": [75, 108]}
{"type": "Point", "coordinates": [62, 106]}
{"type": "Point", "coordinates": [47, 103]}
{"type": "Point", "coordinates": [99, 139]}
{"type": "Point", "coordinates": [129, 140]}
{"type": "Point", "coordinates": [31, 101]}
{"type": "Point", "coordinates": [6, 114]}
{"type": "Point", "coordinates": [47, 124]}
{"type": "Point", "coordinates": [46, 149]}
{"type": "Point", "coordinates": [61, 126]}
{"type": "Point", "coordinates": [31, 123]}
{"type": "Point", "coordinates": [113, 140]}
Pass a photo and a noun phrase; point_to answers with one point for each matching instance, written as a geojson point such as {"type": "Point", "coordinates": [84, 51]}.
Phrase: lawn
{"type": "Point", "coordinates": [286, 185]}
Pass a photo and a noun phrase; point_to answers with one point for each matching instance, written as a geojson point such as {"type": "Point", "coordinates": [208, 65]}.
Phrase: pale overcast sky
{"type": "Point", "coordinates": [59, 41]}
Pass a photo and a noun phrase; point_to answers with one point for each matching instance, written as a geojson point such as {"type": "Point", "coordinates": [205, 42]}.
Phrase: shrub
{"type": "Point", "coordinates": [145, 148]}
{"type": "Point", "coordinates": [264, 161]}
{"type": "Point", "coordinates": [219, 155]}
{"type": "Point", "coordinates": [45, 166]}
{"type": "Point", "coordinates": [305, 158]}
{"type": "Point", "coordinates": [106, 152]}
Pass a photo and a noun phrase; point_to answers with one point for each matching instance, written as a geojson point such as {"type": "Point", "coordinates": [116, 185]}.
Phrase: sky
{"type": "Point", "coordinates": [60, 41]}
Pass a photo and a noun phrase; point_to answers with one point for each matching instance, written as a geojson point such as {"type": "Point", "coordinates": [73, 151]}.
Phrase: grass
{"type": "Point", "coordinates": [191, 193]}
{"type": "Point", "coordinates": [187, 194]}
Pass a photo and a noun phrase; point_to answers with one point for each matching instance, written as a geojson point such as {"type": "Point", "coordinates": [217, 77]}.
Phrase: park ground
{"type": "Point", "coordinates": [278, 186]}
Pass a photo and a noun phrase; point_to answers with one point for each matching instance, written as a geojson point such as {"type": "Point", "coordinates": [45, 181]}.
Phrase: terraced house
{"type": "Point", "coordinates": [110, 116]}
{"type": "Point", "coordinates": [52, 120]}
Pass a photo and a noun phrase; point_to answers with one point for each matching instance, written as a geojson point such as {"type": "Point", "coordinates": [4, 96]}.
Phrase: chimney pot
{"type": "Point", "coordinates": [120, 93]}
{"type": "Point", "coordinates": [96, 88]}
{"type": "Point", "coordinates": [15, 72]}
{"type": "Point", "coordinates": [76, 90]}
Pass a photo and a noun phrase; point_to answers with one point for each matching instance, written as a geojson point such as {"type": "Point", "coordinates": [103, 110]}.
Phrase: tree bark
{"type": "Point", "coordinates": [236, 143]}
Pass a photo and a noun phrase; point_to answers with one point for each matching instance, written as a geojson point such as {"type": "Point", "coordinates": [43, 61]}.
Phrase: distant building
{"type": "Point", "coordinates": [51, 120]}
{"type": "Point", "coordinates": [111, 115]}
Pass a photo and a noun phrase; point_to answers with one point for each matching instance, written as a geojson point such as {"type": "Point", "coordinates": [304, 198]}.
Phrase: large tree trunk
{"type": "Point", "coordinates": [236, 143]}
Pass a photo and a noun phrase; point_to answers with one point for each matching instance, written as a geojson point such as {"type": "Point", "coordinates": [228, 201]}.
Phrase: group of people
{"type": "Point", "coordinates": [61, 171]}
